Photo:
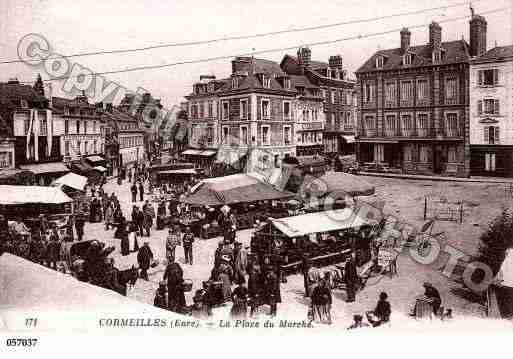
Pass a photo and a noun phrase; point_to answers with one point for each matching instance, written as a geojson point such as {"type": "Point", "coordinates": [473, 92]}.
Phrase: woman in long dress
{"type": "Point", "coordinates": [225, 275]}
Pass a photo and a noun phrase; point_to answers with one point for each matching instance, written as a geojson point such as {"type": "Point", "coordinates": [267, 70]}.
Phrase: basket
{"type": "Point", "coordinates": [187, 285]}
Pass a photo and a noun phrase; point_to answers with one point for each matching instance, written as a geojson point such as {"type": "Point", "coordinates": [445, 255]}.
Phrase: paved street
{"type": "Point", "coordinates": [402, 289]}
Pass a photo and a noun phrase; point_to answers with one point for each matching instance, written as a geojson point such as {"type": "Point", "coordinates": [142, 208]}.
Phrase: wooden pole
{"type": "Point", "coordinates": [425, 207]}
{"type": "Point", "coordinates": [461, 212]}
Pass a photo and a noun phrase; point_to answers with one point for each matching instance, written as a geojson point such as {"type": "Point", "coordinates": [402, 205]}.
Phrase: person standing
{"type": "Point", "coordinates": [351, 279]}
{"type": "Point", "coordinates": [272, 291]}
{"type": "Point", "coordinates": [144, 258]}
{"type": "Point", "coordinates": [129, 175]}
{"type": "Point", "coordinates": [240, 302]}
{"type": "Point", "coordinates": [141, 191]}
{"type": "Point", "coordinates": [224, 273]}
{"type": "Point", "coordinates": [79, 226]}
{"type": "Point", "coordinates": [187, 241]}
{"type": "Point", "coordinates": [149, 214]}
{"type": "Point", "coordinates": [53, 249]}
{"type": "Point", "coordinates": [321, 303]}
{"type": "Point", "coordinates": [176, 296]}
{"type": "Point", "coordinates": [240, 263]}
{"type": "Point", "coordinates": [109, 215]}
{"type": "Point", "coordinates": [125, 243]}
{"type": "Point", "coordinates": [172, 241]}
{"type": "Point", "coordinates": [133, 189]}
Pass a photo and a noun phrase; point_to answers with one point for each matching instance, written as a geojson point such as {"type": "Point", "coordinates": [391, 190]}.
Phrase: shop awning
{"type": "Point", "coordinates": [237, 188]}
{"type": "Point", "coordinates": [42, 168]}
{"type": "Point", "coordinates": [185, 171]}
{"type": "Point", "coordinates": [12, 195]}
{"type": "Point", "coordinates": [71, 180]}
{"type": "Point", "coordinates": [25, 285]}
{"type": "Point", "coordinates": [375, 140]}
{"type": "Point", "coordinates": [202, 153]}
{"type": "Point", "coordinates": [348, 139]}
{"type": "Point", "coordinates": [319, 222]}
{"type": "Point", "coordinates": [100, 168]}
{"type": "Point", "coordinates": [95, 158]}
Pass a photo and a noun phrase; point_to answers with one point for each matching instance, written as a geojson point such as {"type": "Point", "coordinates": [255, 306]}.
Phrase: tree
{"type": "Point", "coordinates": [496, 241]}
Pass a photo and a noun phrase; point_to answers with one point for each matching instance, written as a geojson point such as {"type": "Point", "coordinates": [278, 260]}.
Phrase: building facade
{"type": "Point", "coordinates": [338, 98]}
{"type": "Point", "coordinates": [413, 105]}
{"type": "Point", "coordinates": [491, 113]}
{"type": "Point", "coordinates": [79, 126]}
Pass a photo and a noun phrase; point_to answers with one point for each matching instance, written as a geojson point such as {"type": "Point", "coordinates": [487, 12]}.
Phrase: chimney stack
{"type": "Point", "coordinates": [477, 35]}
{"type": "Point", "coordinates": [405, 39]}
{"type": "Point", "coordinates": [435, 35]}
{"type": "Point", "coordinates": [304, 55]}
{"type": "Point", "coordinates": [335, 62]}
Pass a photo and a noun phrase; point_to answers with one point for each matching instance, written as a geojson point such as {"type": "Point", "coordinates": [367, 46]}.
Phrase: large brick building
{"type": "Point", "coordinates": [338, 98]}
{"type": "Point", "coordinates": [256, 108]}
{"type": "Point", "coordinates": [413, 105]}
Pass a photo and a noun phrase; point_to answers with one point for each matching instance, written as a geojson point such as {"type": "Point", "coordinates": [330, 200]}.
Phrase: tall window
{"type": "Point", "coordinates": [43, 127]}
{"type": "Point", "coordinates": [210, 109]}
{"type": "Point", "coordinates": [226, 132]}
{"type": "Point", "coordinates": [379, 62]}
{"type": "Point", "coordinates": [266, 113]}
{"type": "Point", "coordinates": [85, 126]}
{"type": "Point", "coordinates": [286, 110]}
{"type": "Point", "coordinates": [244, 109]}
{"type": "Point", "coordinates": [488, 107]}
{"type": "Point", "coordinates": [78, 126]}
{"type": "Point", "coordinates": [79, 147]}
{"type": "Point", "coordinates": [369, 123]}
{"type": "Point", "coordinates": [94, 126]}
{"type": "Point", "coordinates": [490, 162]}
{"type": "Point", "coordinates": [488, 77]}
{"type": "Point", "coordinates": [422, 124]}
{"type": "Point", "coordinates": [425, 154]}
{"type": "Point", "coordinates": [368, 93]}
{"type": "Point", "coordinates": [265, 135]}
{"type": "Point", "coordinates": [406, 124]}
{"type": "Point", "coordinates": [266, 81]}
{"type": "Point", "coordinates": [452, 124]}
{"type": "Point", "coordinates": [286, 135]}
{"type": "Point", "coordinates": [491, 135]}
{"type": "Point", "coordinates": [201, 109]}
{"type": "Point", "coordinates": [95, 146]}
{"type": "Point", "coordinates": [244, 135]}
{"type": "Point", "coordinates": [333, 95]}
{"type": "Point", "coordinates": [26, 126]}
{"type": "Point", "coordinates": [226, 110]}
{"type": "Point", "coordinates": [451, 89]}
{"type": "Point", "coordinates": [66, 127]}
{"type": "Point", "coordinates": [390, 125]}
{"type": "Point", "coordinates": [86, 147]}
{"type": "Point", "coordinates": [66, 148]}
{"type": "Point", "coordinates": [422, 89]}
{"type": "Point", "coordinates": [390, 92]}
{"type": "Point", "coordinates": [210, 136]}
{"type": "Point", "coordinates": [406, 90]}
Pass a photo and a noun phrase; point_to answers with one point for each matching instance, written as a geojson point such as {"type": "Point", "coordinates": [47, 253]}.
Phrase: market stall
{"type": "Point", "coordinates": [323, 237]}
{"type": "Point", "coordinates": [31, 201]}
{"type": "Point", "coordinates": [176, 175]}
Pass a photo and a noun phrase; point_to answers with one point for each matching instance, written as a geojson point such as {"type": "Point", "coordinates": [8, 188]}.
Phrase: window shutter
{"type": "Point", "coordinates": [496, 109]}
{"type": "Point", "coordinates": [495, 76]}
{"type": "Point", "coordinates": [496, 136]}
{"type": "Point", "coordinates": [480, 107]}
{"type": "Point", "coordinates": [486, 135]}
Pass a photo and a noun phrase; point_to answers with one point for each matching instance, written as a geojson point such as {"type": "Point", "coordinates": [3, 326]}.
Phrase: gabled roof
{"type": "Point", "coordinates": [61, 102]}
{"type": "Point", "coordinates": [454, 52]}
{"type": "Point", "coordinates": [498, 53]}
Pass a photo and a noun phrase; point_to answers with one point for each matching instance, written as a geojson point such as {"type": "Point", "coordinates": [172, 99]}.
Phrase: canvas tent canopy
{"type": "Point", "coordinates": [16, 195]}
{"type": "Point", "coordinates": [319, 222]}
{"type": "Point", "coordinates": [184, 171]}
{"type": "Point", "coordinates": [26, 285]}
{"type": "Point", "coordinates": [71, 180]}
{"type": "Point", "coordinates": [100, 168]}
{"type": "Point", "coordinates": [339, 182]}
{"type": "Point", "coordinates": [237, 188]}
{"type": "Point", "coordinates": [42, 168]}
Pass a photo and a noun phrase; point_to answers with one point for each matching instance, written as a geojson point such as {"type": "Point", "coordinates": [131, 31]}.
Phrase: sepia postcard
{"type": "Point", "coordinates": [280, 167]}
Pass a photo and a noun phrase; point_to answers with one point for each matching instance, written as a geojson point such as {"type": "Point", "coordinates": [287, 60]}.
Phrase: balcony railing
{"type": "Point", "coordinates": [412, 133]}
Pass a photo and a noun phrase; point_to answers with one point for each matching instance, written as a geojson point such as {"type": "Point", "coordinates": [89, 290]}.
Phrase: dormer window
{"type": "Point", "coordinates": [235, 82]}
{"type": "Point", "coordinates": [24, 103]}
{"type": "Point", "coordinates": [437, 56]}
{"type": "Point", "coordinates": [407, 59]}
{"type": "Point", "coordinates": [286, 83]}
{"type": "Point", "coordinates": [333, 74]}
{"type": "Point", "coordinates": [380, 60]}
{"type": "Point", "coordinates": [210, 87]}
{"type": "Point", "coordinates": [266, 81]}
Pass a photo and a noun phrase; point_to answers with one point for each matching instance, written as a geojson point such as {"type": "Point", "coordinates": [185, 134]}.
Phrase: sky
{"type": "Point", "coordinates": [73, 26]}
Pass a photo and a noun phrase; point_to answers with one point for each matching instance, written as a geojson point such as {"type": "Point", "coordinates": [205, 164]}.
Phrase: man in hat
{"type": "Point", "coordinates": [133, 190]}
{"type": "Point", "coordinates": [175, 291]}
{"type": "Point", "coordinates": [144, 258]}
{"type": "Point", "coordinates": [351, 279]}
{"type": "Point", "coordinates": [240, 263]}
{"type": "Point", "coordinates": [187, 241]}
{"type": "Point", "coordinates": [141, 191]}
{"type": "Point", "coordinates": [224, 273]}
